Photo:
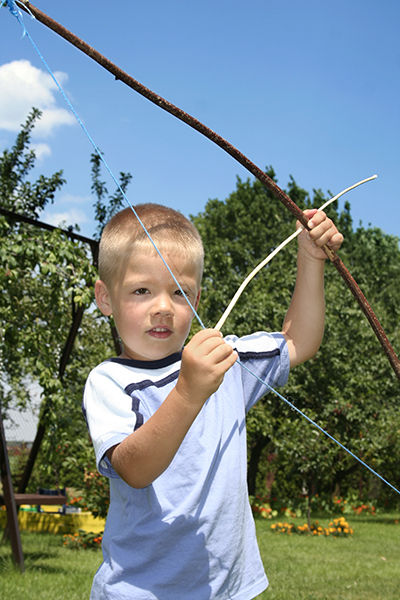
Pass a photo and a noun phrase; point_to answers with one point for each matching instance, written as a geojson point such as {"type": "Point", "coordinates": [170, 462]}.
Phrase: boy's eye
{"type": "Point", "coordinates": [141, 291]}
{"type": "Point", "coordinates": [179, 293]}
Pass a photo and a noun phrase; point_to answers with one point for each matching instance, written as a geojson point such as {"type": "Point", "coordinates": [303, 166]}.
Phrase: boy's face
{"type": "Point", "coordinates": [152, 317]}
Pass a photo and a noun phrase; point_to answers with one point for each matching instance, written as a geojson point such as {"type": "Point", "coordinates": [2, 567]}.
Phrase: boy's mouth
{"type": "Point", "coordinates": [160, 332]}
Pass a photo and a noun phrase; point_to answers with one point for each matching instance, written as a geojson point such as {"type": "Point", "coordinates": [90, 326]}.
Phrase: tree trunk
{"type": "Point", "coordinates": [255, 455]}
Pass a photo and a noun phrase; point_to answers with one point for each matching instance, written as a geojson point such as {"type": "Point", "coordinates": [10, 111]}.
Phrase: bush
{"type": "Point", "coordinates": [95, 496]}
{"type": "Point", "coordinates": [82, 539]}
{"type": "Point", "coordinates": [336, 528]}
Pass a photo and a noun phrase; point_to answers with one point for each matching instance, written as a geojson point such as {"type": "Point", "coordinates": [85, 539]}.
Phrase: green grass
{"type": "Point", "coordinates": [52, 572]}
{"type": "Point", "coordinates": [364, 567]}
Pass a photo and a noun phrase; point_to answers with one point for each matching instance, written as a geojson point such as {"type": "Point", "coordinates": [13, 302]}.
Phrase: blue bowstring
{"type": "Point", "coordinates": [13, 8]}
{"type": "Point", "coordinates": [292, 406]}
{"type": "Point", "coordinates": [17, 13]}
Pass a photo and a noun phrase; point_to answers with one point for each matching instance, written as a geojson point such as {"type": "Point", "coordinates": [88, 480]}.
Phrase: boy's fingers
{"type": "Point", "coordinates": [217, 350]}
{"type": "Point", "coordinates": [206, 340]}
{"type": "Point", "coordinates": [336, 241]}
{"type": "Point", "coordinates": [209, 345]}
{"type": "Point", "coordinates": [321, 228]}
{"type": "Point", "coordinates": [321, 231]}
{"type": "Point", "coordinates": [223, 352]}
{"type": "Point", "coordinates": [319, 218]}
{"type": "Point", "coordinates": [204, 335]}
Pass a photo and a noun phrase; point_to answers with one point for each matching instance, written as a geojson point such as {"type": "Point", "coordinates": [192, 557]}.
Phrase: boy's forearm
{"type": "Point", "coordinates": [146, 453]}
{"type": "Point", "coordinates": [303, 326]}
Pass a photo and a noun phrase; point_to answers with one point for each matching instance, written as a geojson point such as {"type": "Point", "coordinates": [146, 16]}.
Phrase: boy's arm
{"type": "Point", "coordinates": [303, 326]}
{"type": "Point", "coordinates": [146, 453]}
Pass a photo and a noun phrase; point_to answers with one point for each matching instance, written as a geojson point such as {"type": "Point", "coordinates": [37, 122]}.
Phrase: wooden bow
{"type": "Point", "coordinates": [236, 154]}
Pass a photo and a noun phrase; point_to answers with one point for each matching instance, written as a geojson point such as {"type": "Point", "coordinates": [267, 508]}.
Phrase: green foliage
{"type": "Point", "coordinates": [82, 539]}
{"type": "Point", "coordinates": [349, 388]}
{"type": "Point", "coordinates": [16, 192]}
{"type": "Point", "coordinates": [67, 453]}
{"type": "Point", "coordinates": [301, 505]}
{"type": "Point", "coordinates": [237, 235]}
{"type": "Point", "coordinates": [104, 210]}
{"type": "Point", "coordinates": [95, 493]}
{"type": "Point", "coordinates": [46, 278]}
{"type": "Point", "coordinates": [17, 456]}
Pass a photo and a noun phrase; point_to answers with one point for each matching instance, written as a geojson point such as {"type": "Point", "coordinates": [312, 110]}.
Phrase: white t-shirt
{"type": "Point", "coordinates": [189, 535]}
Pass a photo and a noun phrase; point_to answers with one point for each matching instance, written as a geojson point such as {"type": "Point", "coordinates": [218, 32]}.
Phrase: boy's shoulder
{"type": "Point", "coordinates": [260, 344]}
{"type": "Point", "coordinates": [121, 369]}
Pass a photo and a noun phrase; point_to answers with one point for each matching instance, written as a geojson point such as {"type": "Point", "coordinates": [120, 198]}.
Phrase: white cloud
{"type": "Point", "coordinates": [23, 86]}
{"type": "Point", "coordinates": [41, 150]}
{"type": "Point", "coordinates": [71, 199]}
{"type": "Point", "coordinates": [68, 217]}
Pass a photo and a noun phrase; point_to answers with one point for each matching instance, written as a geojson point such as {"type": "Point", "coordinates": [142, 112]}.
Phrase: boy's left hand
{"type": "Point", "coordinates": [322, 232]}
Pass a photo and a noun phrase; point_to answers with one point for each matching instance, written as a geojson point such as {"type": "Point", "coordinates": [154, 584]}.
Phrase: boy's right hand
{"type": "Point", "coordinates": [205, 360]}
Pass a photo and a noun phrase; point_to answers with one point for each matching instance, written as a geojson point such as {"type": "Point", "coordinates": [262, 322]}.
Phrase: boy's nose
{"type": "Point", "coordinates": [163, 305]}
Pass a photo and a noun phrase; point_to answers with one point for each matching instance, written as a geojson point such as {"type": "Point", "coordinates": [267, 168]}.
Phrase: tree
{"type": "Point", "coordinates": [45, 278]}
{"type": "Point", "coordinates": [104, 210]}
{"type": "Point", "coordinates": [43, 275]}
{"type": "Point", "coordinates": [348, 388]}
{"type": "Point", "coordinates": [16, 192]}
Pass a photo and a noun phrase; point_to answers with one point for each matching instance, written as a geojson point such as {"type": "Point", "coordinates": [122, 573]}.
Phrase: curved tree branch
{"type": "Point", "coordinates": [119, 74]}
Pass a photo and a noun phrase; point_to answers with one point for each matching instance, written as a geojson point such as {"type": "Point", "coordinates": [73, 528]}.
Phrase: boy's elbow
{"type": "Point", "coordinates": [138, 483]}
{"type": "Point", "coordinates": [300, 354]}
{"type": "Point", "coordinates": [134, 480]}
{"type": "Point", "coordinates": [121, 465]}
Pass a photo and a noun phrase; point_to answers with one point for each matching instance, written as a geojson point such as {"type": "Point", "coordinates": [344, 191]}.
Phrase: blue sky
{"type": "Point", "coordinates": [311, 88]}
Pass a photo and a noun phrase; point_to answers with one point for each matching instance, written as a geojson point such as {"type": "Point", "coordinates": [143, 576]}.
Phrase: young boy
{"type": "Point", "coordinates": [168, 426]}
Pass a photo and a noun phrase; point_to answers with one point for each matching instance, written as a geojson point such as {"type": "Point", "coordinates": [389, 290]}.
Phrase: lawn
{"type": "Point", "coordinates": [52, 572]}
{"type": "Point", "coordinates": [363, 567]}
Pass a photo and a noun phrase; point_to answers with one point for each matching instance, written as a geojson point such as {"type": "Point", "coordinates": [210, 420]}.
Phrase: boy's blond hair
{"type": "Point", "coordinates": [168, 228]}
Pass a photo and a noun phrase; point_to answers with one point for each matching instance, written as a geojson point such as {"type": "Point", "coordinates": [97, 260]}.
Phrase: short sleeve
{"type": "Point", "coordinates": [264, 358]}
{"type": "Point", "coordinates": [109, 414]}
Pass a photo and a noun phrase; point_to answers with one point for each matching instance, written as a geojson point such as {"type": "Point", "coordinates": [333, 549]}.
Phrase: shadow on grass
{"type": "Point", "coordinates": [33, 561]}
{"type": "Point", "coordinates": [378, 519]}
{"type": "Point", "coordinates": [375, 519]}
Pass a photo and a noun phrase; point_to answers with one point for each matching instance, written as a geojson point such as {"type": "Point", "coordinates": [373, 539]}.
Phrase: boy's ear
{"type": "Point", "coordinates": [102, 296]}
